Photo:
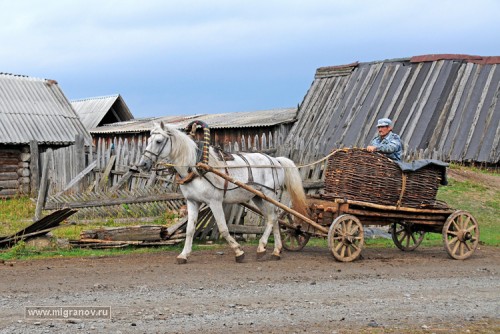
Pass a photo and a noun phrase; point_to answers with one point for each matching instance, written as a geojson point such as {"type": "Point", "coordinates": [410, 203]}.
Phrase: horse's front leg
{"type": "Point", "coordinates": [192, 208]}
{"type": "Point", "coordinates": [218, 213]}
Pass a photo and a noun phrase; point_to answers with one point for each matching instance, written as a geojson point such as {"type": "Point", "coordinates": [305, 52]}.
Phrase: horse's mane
{"type": "Point", "coordinates": [184, 149]}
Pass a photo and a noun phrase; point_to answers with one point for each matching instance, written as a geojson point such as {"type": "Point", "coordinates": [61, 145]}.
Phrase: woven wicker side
{"type": "Point", "coordinates": [359, 175]}
{"type": "Point", "coordinates": [422, 186]}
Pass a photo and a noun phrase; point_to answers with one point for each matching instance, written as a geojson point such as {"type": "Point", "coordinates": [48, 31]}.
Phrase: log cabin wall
{"type": "Point", "coordinates": [14, 170]}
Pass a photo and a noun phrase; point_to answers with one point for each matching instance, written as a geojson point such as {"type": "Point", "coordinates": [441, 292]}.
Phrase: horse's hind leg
{"type": "Point", "coordinates": [192, 208]}
{"type": "Point", "coordinates": [218, 213]}
{"type": "Point", "coordinates": [277, 238]}
{"type": "Point", "coordinates": [270, 217]}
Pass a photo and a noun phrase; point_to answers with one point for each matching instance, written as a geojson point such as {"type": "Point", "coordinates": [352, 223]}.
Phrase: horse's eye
{"type": "Point", "coordinates": [158, 141]}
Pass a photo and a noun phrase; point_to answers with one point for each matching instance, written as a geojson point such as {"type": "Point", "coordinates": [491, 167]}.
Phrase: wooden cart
{"type": "Point", "coordinates": [342, 221]}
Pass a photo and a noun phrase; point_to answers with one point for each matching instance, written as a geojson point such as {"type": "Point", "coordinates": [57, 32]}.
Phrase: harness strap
{"type": "Point", "coordinates": [250, 174]}
{"type": "Point", "coordinates": [274, 172]}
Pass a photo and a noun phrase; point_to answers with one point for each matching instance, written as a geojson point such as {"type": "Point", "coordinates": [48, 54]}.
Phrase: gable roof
{"type": "Point", "coordinates": [262, 118]}
{"type": "Point", "coordinates": [36, 109]}
{"type": "Point", "coordinates": [444, 106]}
{"type": "Point", "coordinates": [96, 111]}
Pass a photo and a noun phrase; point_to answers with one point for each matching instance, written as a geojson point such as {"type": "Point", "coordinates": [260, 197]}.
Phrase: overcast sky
{"type": "Point", "coordinates": [188, 57]}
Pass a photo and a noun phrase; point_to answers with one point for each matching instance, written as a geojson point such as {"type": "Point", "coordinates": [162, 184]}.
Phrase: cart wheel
{"type": "Point", "coordinates": [346, 238]}
{"type": "Point", "coordinates": [460, 235]}
{"type": "Point", "coordinates": [293, 239]}
{"type": "Point", "coordinates": [405, 237]}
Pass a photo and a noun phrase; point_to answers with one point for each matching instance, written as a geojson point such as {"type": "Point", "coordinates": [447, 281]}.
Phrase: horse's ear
{"type": "Point", "coordinates": [162, 125]}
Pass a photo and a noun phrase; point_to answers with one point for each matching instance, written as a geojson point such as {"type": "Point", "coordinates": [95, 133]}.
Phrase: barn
{"type": "Point", "coordinates": [444, 106]}
{"type": "Point", "coordinates": [37, 124]}
{"type": "Point", "coordinates": [102, 110]}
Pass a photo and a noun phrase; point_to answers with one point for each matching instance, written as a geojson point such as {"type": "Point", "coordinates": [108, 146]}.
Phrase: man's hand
{"type": "Point", "coordinates": [371, 148]}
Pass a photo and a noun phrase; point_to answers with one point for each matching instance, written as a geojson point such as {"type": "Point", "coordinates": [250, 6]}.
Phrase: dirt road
{"type": "Point", "coordinates": [308, 291]}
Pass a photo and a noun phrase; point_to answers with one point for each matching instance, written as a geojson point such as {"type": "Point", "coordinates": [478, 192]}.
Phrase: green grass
{"type": "Point", "coordinates": [481, 200]}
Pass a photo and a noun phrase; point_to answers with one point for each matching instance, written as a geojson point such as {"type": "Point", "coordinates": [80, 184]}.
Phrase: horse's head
{"type": "Point", "coordinates": [158, 148]}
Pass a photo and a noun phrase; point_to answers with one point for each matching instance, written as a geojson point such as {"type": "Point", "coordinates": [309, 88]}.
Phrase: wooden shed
{"type": "Point", "coordinates": [102, 110]}
{"type": "Point", "coordinates": [37, 124]}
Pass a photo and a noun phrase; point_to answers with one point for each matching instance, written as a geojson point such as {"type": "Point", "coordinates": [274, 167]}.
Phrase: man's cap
{"type": "Point", "coordinates": [384, 122]}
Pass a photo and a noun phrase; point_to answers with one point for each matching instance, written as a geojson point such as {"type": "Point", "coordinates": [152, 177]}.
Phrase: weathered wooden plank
{"type": "Point", "coordinates": [35, 171]}
{"type": "Point", "coordinates": [79, 177]}
{"type": "Point", "coordinates": [105, 176]}
{"type": "Point", "coordinates": [44, 187]}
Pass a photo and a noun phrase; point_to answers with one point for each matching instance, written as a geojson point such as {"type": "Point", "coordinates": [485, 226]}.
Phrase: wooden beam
{"type": "Point", "coordinates": [117, 201]}
{"type": "Point", "coordinates": [79, 177]}
{"type": "Point", "coordinates": [34, 169]}
{"type": "Point", "coordinates": [44, 187]}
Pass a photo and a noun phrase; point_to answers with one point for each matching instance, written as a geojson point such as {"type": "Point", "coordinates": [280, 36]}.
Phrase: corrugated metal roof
{"type": "Point", "coordinates": [444, 104]}
{"type": "Point", "coordinates": [215, 121]}
{"type": "Point", "coordinates": [36, 109]}
{"type": "Point", "coordinates": [93, 110]}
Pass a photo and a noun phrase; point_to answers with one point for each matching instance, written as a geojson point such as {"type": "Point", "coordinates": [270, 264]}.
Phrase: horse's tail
{"type": "Point", "coordinates": [293, 184]}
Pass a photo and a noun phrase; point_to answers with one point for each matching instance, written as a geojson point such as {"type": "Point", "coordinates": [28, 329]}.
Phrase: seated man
{"type": "Point", "coordinates": [386, 142]}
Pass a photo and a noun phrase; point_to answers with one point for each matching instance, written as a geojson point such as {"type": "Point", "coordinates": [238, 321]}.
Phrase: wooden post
{"type": "Point", "coordinates": [264, 197]}
{"type": "Point", "coordinates": [44, 187]}
{"type": "Point", "coordinates": [34, 169]}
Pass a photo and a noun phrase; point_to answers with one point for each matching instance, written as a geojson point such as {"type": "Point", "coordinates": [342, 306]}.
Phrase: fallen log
{"type": "Point", "coordinates": [126, 233]}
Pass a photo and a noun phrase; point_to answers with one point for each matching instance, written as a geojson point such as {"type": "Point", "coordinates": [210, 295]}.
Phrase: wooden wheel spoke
{"type": "Point", "coordinates": [355, 247]}
{"type": "Point", "coordinates": [407, 240]}
{"type": "Point", "coordinates": [470, 229]}
{"type": "Point", "coordinates": [452, 233]}
{"type": "Point", "coordinates": [413, 237]}
{"type": "Point", "coordinates": [455, 248]}
{"type": "Point", "coordinates": [340, 244]}
{"type": "Point", "coordinates": [400, 230]}
{"type": "Point", "coordinates": [349, 253]}
{"type": "Point", "coordinates": [453, 240]}
{"type": "Point", "coordinates": [342, 251]}
{"type": "Point", "coordinates": [349, 225]}
{"type": "Point", "coordinates": [461, 248]}
{"type": "Point", "coordinates": [455, 225]}
{"type": "Point", "coordinates": [467, 246]}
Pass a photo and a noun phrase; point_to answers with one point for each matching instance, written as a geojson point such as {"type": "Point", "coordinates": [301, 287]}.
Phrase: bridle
{"type": "Point", "coordinates": [152, 156]}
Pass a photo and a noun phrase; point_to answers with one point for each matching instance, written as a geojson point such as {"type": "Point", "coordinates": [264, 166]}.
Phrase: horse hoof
{"type": "Point", "coordinates": [260, 255]}
{"type": "Point", "coordinates": [275, 257]}
{"type": "Point", "coordinates": [181, 260]}
{"type": "Point", "coordinates": [240, 258]}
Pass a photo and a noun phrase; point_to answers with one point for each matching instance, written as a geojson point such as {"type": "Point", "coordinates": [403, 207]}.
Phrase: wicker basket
{"type": "Point", "coordinates": [356, 174]}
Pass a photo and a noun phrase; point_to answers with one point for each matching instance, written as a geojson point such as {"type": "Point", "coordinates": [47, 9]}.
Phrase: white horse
{"type": "Point", "coordinates": [270, 176]}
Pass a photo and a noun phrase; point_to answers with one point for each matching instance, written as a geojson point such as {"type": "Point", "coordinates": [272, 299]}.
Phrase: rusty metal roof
{"type": "Point", "coordinates": [36, 109]}
{"type": "Point", "coordinates": [444, 106]}
{"type": "Point", "coordinates": [95, 111]}
{"type": "Point", "coordinates": [263, 118]}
